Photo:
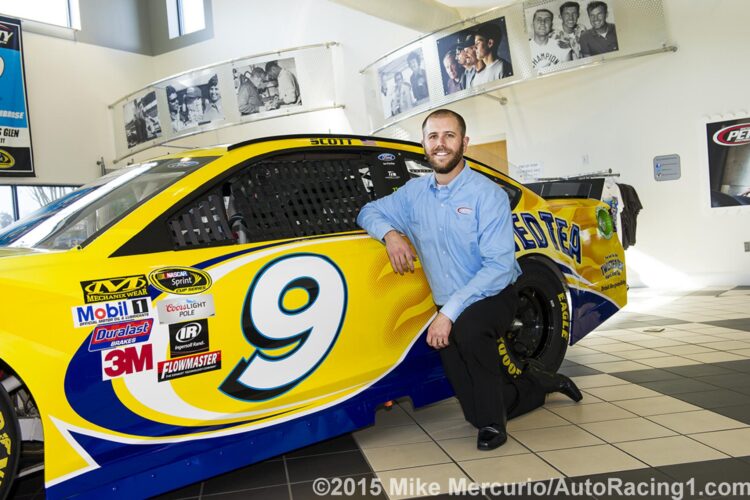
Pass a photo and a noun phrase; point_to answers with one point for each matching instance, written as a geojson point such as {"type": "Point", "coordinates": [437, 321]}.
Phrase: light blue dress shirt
{"type": "Point", "coordinates": [462, 232]}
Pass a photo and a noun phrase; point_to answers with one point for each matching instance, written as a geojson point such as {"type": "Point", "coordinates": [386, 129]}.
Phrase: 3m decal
{"type": "Point", "coordinates": [180, 280]}
{"type": "Point", "coordinates": [177, 310]}
{"type": "Point", "coordinates": [128, 360]}
{"type": "Point", "coordinates": [122, 287]}
{"type": "Point", "coordinates": [189, 365]}
{"type": "Point", "coordinates": [111, 312]}
{"type": "Point", "coordinates": [188, 338]}
{"type": "Point", "coordinates": [269, 322]}
{"type": "Point", "coordinates": [529, 233]}
{"type": "Point", "coordinates": [120, 334]}
{"type": "Point", "coordinates": [734, 135]}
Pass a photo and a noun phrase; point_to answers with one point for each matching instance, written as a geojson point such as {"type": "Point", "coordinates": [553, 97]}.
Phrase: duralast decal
{"type": "Point", "coordinates": [188, 338]}
{"type": "Point", "coordinates": [180, 280]}
{"type": "Point", "coordinates": [120, 334]}
{"type": "Point", "coordinates": [532, 233]}
{"type": "Point", "coordinates": [177, 310]}
{"type": "Point", "coordinates": [189, 365]}
{"type": "Point", "coordinates": [107, 289]}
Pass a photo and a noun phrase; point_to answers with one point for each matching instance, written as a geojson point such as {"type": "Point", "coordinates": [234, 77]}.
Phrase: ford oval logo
{"type": "Point", "coordinates": [735, 135]}
{"type": "Point", "coordinates": [386, 157]}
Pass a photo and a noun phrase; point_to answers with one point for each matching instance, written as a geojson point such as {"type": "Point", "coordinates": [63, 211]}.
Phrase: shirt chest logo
{"type": "Point", "coordinates": [464, 210]}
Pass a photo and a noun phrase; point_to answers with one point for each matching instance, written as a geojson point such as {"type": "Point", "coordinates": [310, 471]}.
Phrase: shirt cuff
{"type": "Point", "coordinates": [379, 231]}
{"type": "Point", "coordinates": [452, 309]}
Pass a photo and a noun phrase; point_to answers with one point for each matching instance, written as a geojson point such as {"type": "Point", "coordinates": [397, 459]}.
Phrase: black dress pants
{"type": "Point", "coordinates": [487, 389]}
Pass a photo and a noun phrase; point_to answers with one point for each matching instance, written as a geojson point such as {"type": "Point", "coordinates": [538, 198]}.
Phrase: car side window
{"type": "Point", "coordinates": [288, 195]}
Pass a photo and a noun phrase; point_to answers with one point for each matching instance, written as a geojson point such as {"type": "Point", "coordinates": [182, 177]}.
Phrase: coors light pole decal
{"type": "Point", "coordinates": [15, 136]}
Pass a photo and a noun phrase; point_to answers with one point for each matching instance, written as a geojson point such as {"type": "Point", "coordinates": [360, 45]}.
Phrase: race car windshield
{"type": "Point", "coordinates": [83, 214]}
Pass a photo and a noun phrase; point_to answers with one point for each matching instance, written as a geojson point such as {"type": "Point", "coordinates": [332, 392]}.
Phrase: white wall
{"type": "Point", "coordinates": [620, 115]}
{"type": "Point", "coordinates": [69, 86]}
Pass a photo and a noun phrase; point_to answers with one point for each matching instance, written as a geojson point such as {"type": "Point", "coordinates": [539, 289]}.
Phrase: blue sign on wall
{"type": "Point", "coordinates": [15, 135]}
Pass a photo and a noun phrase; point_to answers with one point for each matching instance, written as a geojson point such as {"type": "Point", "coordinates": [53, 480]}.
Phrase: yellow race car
{"type": "Point", "coordinates": [203, 311]}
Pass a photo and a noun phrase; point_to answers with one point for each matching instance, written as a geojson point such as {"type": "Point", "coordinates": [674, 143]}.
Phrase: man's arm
{"type": "Point", "coordinates": [384, 220]}
{"type": "Point", "coordinates": [497, 248]}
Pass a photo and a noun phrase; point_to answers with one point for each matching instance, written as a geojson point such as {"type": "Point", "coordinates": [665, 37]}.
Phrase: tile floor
{"type": "Point", "coordinates": [666, 396]}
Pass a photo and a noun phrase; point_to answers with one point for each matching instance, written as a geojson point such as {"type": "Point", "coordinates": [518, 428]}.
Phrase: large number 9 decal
{"type": "Point", "coordinates": [307, 331]}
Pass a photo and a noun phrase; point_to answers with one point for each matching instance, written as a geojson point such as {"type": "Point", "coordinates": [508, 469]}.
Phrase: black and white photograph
{"type": "Point", "coordinates": [565, 30]}
{"type": "Point", "coordinates": [266, 86]}
{"type": "Point", "coordinates": [194, 100]}
{"type": "Point", "coordinates": [403, 83]}
{"type": "Point", "coordinates": [141, 117]}
{"type": "Point", "coordinates": [475, 56]}
{"type": "Point", "coordinates": [729, 162]}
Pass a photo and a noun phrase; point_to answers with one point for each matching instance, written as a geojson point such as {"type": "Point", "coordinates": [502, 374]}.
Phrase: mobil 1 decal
{"type": "Point", "coordinates": [111, 312]}
{"type": "Point", "coordinates": [544, 230]}
{"type": "Point", "coordinates": [180, 280]}
{"type": "Point", "coordinates": [188, 338]}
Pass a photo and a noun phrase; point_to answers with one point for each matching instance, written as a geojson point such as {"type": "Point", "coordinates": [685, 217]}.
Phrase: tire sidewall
{"type": "Point", "coordinates": [10, 443]}
{"type": "Point", "coordinates": [545, 282]}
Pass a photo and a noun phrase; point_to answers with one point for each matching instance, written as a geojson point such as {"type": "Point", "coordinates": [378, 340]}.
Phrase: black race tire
{"type": "Point", "coordinates": [10, 444]}
{"type": "Point", "coordinates": [541, 328]}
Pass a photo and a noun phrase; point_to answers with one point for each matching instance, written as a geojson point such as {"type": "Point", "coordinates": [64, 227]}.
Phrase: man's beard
{"type": "Point", "coordinates": [453, 161]}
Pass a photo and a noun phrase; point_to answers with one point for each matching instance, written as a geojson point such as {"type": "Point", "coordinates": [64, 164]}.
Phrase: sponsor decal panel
{"type": "Point", "coordinates": [111, 312]}
{"type": "Point", "coordinates": [734, 135]}
{"type": "Point", "coordinates": [188, 338]}
{"type": "Point", "coordinates": [189, 365]}
{"type": "Point", "coordinates": [120, 334]}
{"type": "Point", "coordinates": [107, 289]}
{"type": "Point", "coordinates": [386, 157]}
{"type": "Point", "coordinates": [180, 280]}
{"type": "Point", "coordinates": [127, 360]}
{"type": "Point", "coordinates": [179, 310]}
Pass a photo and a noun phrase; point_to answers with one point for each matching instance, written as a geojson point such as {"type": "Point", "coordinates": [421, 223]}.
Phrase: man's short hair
{"type": "Point", "coordinates": [570, 4]}
{"type": "Point", "coordinates": [490, 31]}
{"type": "Point", "coordinates": [213, 81]}
{"type": "Point", "coordinates": [446, 112]}
{"type": "Point", "coordinates": [594, 5]}
{"type": "Point", "coordinates": [272, 64]}
{"type": "Point", "coordinates": [258, 72]}
{"type": "Point", "coordinates": [170, 90]}
{"type": "Point", "coordinates": [533, 18]}
{"type": "Point", "coordinates": [413, 56]}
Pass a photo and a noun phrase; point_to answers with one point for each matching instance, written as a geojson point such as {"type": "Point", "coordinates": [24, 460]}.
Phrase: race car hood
{"type": "Point", "coordinates": [15, 252]}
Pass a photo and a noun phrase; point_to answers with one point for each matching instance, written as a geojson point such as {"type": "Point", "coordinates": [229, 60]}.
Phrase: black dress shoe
{"type": "Point", "coordinates": [491, 437]}
{"type": "Point", "coordinates": [569, 388]}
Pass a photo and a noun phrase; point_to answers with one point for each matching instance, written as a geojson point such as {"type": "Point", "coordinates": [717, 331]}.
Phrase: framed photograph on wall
{"type": "Point", "coordinates": [194, 100]}
{"type": "Point", "coordinates": [729, 162]}
{"type": "Point", "coordinates": [403, 83]}
{"type": "Point", "coordinates": [475, 56]}
{"type": "Point", "coordinates": [266, 86]}
{"type": "Point", "coordinates": [141, 118]}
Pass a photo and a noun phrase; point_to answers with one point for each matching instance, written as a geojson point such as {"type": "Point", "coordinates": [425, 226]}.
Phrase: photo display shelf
{"type": "Point", "coordinates": [516, 43]}
{"type": "Point", "coordinates": [229, 93]}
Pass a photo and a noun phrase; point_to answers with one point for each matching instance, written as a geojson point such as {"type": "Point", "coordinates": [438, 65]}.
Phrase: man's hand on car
{"type": "Point", "coordinates": [399, 252]}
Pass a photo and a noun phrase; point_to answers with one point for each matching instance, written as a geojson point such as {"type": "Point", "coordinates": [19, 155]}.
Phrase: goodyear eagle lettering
{"type": "Point", "coordinates": [533, 234]}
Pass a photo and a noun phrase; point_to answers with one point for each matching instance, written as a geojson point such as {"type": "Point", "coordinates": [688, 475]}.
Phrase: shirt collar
{"type": "Point", "coordinates": [457, 182]}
